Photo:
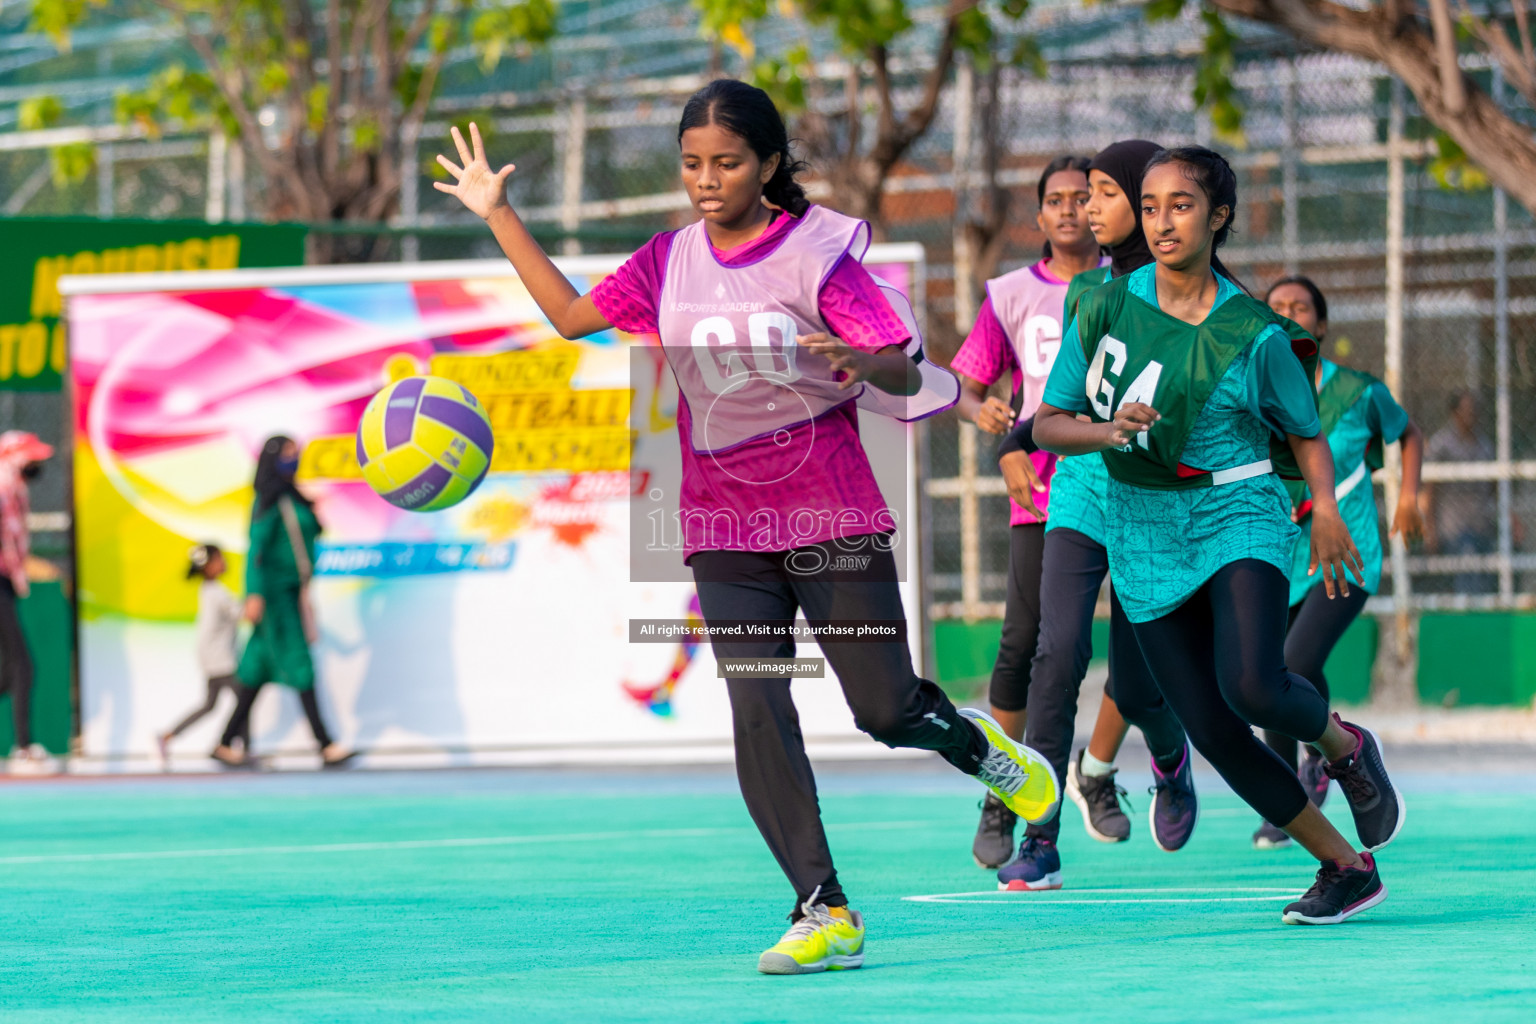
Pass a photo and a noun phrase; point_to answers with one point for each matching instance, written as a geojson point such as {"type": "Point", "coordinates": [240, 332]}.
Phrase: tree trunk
{"type": "Point", "coordinates": [1496, 142]}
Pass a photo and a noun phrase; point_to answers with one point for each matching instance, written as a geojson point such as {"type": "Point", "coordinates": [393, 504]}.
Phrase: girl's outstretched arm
{"type": "Point", "coordinates": [484, 192]}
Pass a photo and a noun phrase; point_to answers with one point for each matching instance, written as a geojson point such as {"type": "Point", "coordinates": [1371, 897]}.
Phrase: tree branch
{"type": "Point", "coordinates": [1492, 139]}
{"type": "Point", "coordinates": [1445, 54]}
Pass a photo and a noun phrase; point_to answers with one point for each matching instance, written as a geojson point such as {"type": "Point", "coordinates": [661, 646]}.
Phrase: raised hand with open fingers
{"type": "Point", "coordinates": [478, 187]}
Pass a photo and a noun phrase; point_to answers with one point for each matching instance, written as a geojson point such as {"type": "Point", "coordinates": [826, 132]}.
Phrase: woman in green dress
{"type": "Point", "coordinates": [1196, 392]}
{"type": "Point", "coordinates": [278, 568]}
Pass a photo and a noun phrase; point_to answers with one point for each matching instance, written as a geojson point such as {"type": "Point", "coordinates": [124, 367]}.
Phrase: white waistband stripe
{"type": "Point", "coordinates": [1236, 473]}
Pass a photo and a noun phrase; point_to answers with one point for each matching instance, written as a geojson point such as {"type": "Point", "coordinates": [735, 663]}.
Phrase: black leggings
{"type": "Point", "coordinates": [15, 665]}
{"type": "Point", "coordinates": [1316, 626]}
{"type": "Point", "coordinates": [1218, 659]}
{"type": "Point", "coordinates": [240, 721]}
{"type": "Point", "coordinates": [1021, 618]}
{"type": "Point", "coordinates": [216, 686]}
{"type": "Point", "coordinates": [1074, 569]}
{"type": "Point", "coordinates": [889, 701]}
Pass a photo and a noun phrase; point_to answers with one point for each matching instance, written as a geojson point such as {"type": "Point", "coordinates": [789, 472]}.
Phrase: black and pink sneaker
{"type": "Point", "coordinates": [1338, 894]}
{"type": "Point", "coordinates": [1175, 807]}
{"type": "Point", "coordinates": [1376, 805]}
{"type": "Point", "coordinates": [1313, 778]}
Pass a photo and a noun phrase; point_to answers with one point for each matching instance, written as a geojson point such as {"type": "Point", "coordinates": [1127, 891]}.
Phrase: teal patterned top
{"type": "Point", "coordinates": [1374, 414]}
{"type": "Point", "coordinates": [1164, 544]}
{"type": "Point", "coordinates": [1077, 496]}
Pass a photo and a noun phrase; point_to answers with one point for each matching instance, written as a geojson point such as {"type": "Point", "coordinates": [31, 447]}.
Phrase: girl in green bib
{"type": "Point", "coordinates": [1194, 391]}
{"type": "Point", "coordinates": [1359, 417]}
{"type": "Point", "coordinates": [1073, 565]}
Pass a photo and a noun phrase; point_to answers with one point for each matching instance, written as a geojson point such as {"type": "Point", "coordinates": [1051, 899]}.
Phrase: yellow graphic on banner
{"type": "Point", "coordinates": [540, 424]}
{"type": "Point", "coordinates": [540, 369]}
{"type": "Point", "coordinates": [27, 349]}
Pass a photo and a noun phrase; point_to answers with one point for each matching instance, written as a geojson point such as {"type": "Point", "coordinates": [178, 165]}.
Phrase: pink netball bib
{"type": "Point", "coordinates": [1028, 303]}
{"type": "Point", "coordinates": [729, 332]}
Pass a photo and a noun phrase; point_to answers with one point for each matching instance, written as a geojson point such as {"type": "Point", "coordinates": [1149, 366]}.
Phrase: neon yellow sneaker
{"type": "Point", "coordinates": [825, 939]}
{"type": "Point", "coordinates": [1022, 779]}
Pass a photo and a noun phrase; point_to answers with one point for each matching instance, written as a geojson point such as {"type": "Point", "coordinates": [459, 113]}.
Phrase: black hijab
{"type": "Point", "coordinates": [1126, 162]}
{"type": "Point", "coordinates": [271, 480]}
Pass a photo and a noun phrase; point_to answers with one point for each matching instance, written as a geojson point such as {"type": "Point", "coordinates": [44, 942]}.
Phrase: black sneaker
{"type": "Point", "coordinates": [1269, 837]}
{"type": "Point", "coordinates": [1175, 808]}
{"type": "Point", "coordinates": [1098, 797]}
{"type": "Point", "coordinates": [993, 846]}
{"type": "Point", "coordinates": [1338, 894]}
{"type": "Point", "coordinates": [1313, 778]}
{"type": "Point", "coordinates": [1376, 805]}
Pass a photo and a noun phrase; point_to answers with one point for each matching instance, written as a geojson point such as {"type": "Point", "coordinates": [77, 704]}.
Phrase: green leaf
{"type": "Point", "coordinates": [1214, 91]}
{"type": "Point", "coordinates": [38, 112]}
{"type": "Point", "coordinates": [58, 18]}
{"type": "Point", "coordinates": [315, 104]}
{"type": "Point", "coordinates": [495, 30]}
{"type": "Point", "coordinates": [1453, 170]}
{"type": "Point", "coordinates": [973, 34]}
{"type": "Point", "coordinates": [1163, 10]}
{"type": "Point", "coordinates": [72, 163]}
{"type": "Point", "coordinates": [1028, 56]}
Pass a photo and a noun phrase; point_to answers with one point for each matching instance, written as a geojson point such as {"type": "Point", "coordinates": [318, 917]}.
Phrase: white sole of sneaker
{"type": "Point", "coordinates": [1075, 794]}
{"type": "Point", "coordinates": [1402, 805]}
{"type": "Point", "coordinates": [778, 963]}
{"type": "Point", "coordinates": [1050, 881]}
{"type": "Point", "coordinates": [1273, 844]}
{"type": "Point", "coordinates": [1343, 915]}
{"type": "Point", "coordinates": [1152, 825]}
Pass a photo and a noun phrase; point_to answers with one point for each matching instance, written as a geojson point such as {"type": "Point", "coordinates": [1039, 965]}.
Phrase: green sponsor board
{"type": "Point", "coordinates": [36, 251]}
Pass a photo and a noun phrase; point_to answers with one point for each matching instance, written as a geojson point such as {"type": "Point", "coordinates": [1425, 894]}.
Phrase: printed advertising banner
{"type": "Point", "coordinates": [35, 252]}
{"type": "Point", "coordinates": [497, 631]}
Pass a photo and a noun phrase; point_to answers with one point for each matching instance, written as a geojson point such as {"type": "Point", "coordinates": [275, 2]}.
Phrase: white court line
{"type": "Point", "coordinates": [1047, 898]}
{"type": "Point", "coordinates": [426, 844]}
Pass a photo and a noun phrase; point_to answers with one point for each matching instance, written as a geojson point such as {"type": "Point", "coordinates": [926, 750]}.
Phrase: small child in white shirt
{"type": "Point", "coordinates": [218, 618]}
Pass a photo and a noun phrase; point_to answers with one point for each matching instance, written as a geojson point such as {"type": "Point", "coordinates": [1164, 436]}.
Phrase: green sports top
{"type": "Point", "coordinates": [1360, 417]}
{"type": "Point", "coordinates": [1138, 353]}
{"type": "Point", "coordinates": [1165, 542]}
{"type": "Point", "coordinates": [1080, 482]}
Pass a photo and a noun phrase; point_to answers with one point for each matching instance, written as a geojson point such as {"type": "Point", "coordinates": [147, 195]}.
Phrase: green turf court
{"type": "Point", "coordinates": [645, 895]}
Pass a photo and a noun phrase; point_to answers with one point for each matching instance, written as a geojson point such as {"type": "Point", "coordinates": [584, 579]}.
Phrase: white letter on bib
{"type": "Point", "coordinates": [719, 328]}
{"type": "Point", "coordinates": [1097, 385]}
{"type": "Point", "coordinates": [1143, 389]}
{"type": "Point", "coordinates": [1042, 340]}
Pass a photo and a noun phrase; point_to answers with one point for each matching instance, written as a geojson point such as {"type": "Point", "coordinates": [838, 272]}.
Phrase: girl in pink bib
{"type": "Point", "coordinates": [773, 328]}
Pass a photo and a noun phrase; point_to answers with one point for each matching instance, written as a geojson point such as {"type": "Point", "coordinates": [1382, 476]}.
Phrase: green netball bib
{"type": "Point", "coordinates": [1138, 353]}
{"type": "Point", "coordinates": [1334, 399]}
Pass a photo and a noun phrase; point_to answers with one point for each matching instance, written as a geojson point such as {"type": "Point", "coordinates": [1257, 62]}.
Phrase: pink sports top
{"type": "Point", "coordinates": [757, 478]}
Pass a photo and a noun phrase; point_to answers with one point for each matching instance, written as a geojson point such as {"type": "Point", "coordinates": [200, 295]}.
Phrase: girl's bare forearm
{"type": "Point", "coordinates": [571, 313]}
{"type": "Point", "coordinates": [1059, 431]}
{"type": "Point", "coordinates": [1413, 460]}
{"type": "Point", "coordinates": [1316, 463]}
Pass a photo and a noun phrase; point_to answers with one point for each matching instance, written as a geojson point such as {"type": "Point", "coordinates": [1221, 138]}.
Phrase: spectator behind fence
{"type": "Point", "coordinates": [1463, 517]}
{"type": "Point", "coordinates": [21, 459]}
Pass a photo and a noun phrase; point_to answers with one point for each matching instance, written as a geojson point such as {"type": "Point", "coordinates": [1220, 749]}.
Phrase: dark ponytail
{"type": "Point", "coordinates": [747, 112]}
{"type": "Point", "coordinates": [1065, 162]}
{"type": "Point", "coordinates": [1209, 170]}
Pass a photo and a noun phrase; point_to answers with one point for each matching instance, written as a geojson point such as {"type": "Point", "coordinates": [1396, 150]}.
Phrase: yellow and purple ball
{"type": "Point", "coordinates": [424, 443]}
